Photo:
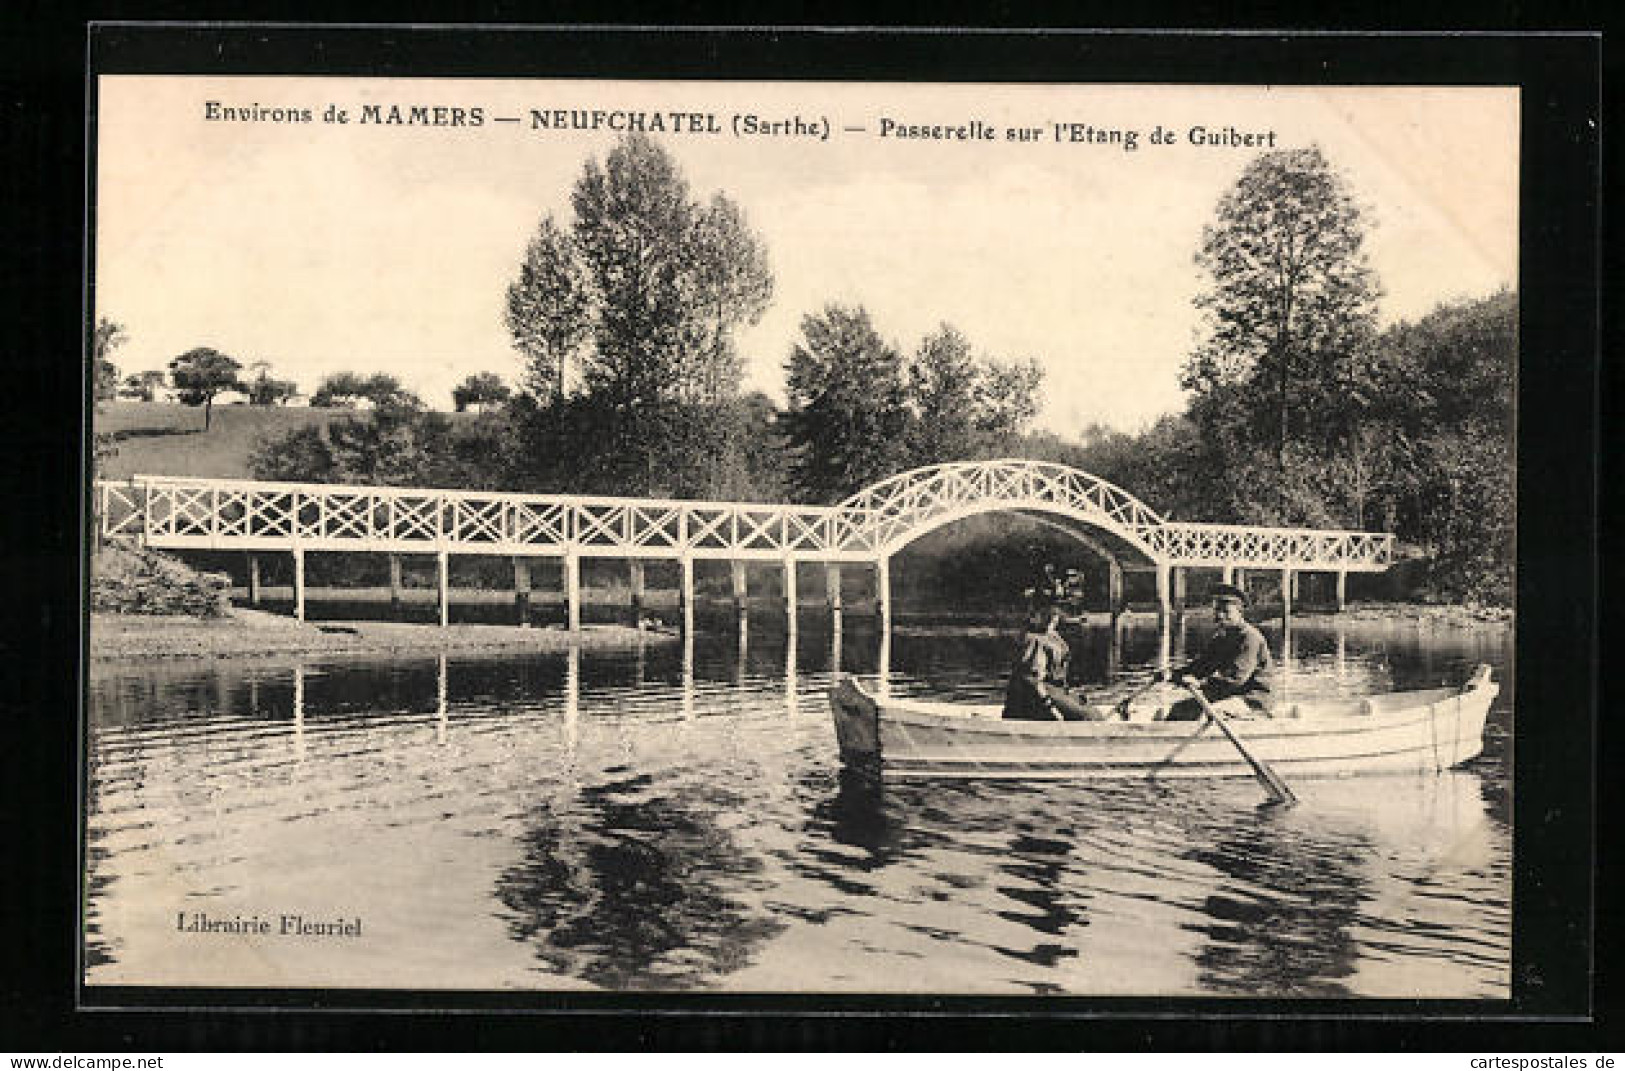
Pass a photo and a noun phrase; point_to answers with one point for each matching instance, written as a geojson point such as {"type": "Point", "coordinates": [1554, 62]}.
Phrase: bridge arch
{"type": "Point", "coordinates": [900, 509]}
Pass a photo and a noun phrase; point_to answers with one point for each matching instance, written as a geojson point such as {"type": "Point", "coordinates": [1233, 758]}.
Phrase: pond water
{"type": "Point", "coordinates": [675, 818]}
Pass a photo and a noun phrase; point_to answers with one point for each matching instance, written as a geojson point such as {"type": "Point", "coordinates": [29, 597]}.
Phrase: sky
{"type": "Point", "coordinates": [325, 246]}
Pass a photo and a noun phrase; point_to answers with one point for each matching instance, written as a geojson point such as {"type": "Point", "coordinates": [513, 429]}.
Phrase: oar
{"type": "Point", "coordinates": [1267, 777]}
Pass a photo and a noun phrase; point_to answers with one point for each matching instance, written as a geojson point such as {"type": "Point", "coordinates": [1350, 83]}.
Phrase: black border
{"type": "Point", "coordinates": [1557, 584]}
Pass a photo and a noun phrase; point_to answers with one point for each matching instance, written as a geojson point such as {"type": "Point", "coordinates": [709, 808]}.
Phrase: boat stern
{"type": "Point", "coordinates": [857, 723]}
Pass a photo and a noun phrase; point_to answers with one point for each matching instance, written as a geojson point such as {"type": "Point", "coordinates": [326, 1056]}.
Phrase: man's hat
{"type": "Point", "coordinates": [1229, 591]}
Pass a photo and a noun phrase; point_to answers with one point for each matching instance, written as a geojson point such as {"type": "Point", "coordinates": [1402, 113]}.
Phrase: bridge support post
{"type": "Point", "coordinates": [521, 591]}
{"type": "Point", "coordinates": [1114, 591]}
{"type": "Point", "coordinates": [741, 589]}
{"type": "Point", "coordinates": [1164, 619]}
{"type": "Point", "coordinates": [1176, 577]}
{"type": "Point", "coordinates": [1238, 577]}
{"type": "Point", "coordinates": [1287, 585]}
{"type": "Point", "coordinates": [572, 591]}
{"type": "Point", "coordinates": [253, 580]}
{"type": "Point", "coordinates": [883, 593]}
{"type": "Point", "coordinates": [1227, 574]}
{"type": "Point", "coordinates": [790, 593]}
{"type": "Point", "coordinates": [443, 585]}
{"type": "Point", "coordinates": [685, 596]}
{"type": "Point", "coordinates": [299, 583]}
{"type": "Point", "coordinates": [832, 589]}
{"type": "Point", "coordinates": [634, 568]}
{"type": "Point", "coordinates": [395, 584]}
{"type": "Point", "coordinates": [1342, 592]}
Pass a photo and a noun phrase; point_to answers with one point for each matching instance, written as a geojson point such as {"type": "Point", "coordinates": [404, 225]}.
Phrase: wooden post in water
{"type": "Point", "coordinates": [686, 595]}
{"type": "Point", "coordinates": [253, 579]}
{"type": "Point", "coordinates": [443, 585]}
{"type": "Point", "coordinates": [883, 593]}
{"type": "Point", "coordinates": [299, 583]}
{"type": "Point", "coordinates": [572, 591]}
{"type": "Point", "coordinates": [1176, 577]}
{"type": "Point", "coordinates": [1342, 591]}
{"type": "Point", "coordinates": [741, 589]}
{"type": "Point", "coordinates": [790, 593]}
{"type": "Point", "coordinates": [1238, 577]}
{"type": "Point", "coordinates": [634, 569]}
{"type": "Point", "coordinates": [1227, 574]}
{"type": "Point", "coordinates": [1114, 591]}
{"type": "Point", "coordinates": [832, 589]}
{"type": "Point", "coordinates": [1286, 603]}
{"type": "Point", "coordinates": [395, 585]}
{"type": "Point", "coordinates": [1164, 619]}
{"type": "Point", "coordinates": [521, 590]}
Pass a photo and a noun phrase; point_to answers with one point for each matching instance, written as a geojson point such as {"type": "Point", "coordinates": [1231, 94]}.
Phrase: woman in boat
{"type": "Point", "coordinates": [1038, 690]}
{"type": "Point", "coordinates": [1229, 671]}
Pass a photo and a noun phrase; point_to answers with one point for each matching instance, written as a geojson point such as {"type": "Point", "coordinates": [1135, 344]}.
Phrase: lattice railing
{"type": "Point", "coordinates": [234, 514]}
{"type": "Point", "coordinates": [894, 511]}
{"type": "Point", "coordinates": [1183, 543]}
{"type": "Point", "coordinates": [238, 514]}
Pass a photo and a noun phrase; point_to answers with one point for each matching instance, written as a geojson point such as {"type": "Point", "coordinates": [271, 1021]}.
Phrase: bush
{"type": "Point", "coordinates": [127, 579]}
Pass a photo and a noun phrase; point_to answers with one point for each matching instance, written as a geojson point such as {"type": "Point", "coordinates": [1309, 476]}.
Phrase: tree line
{"type": "Point", "coordinates": [1298, 409]}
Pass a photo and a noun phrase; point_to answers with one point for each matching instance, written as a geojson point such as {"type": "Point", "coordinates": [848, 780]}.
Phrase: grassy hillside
{"type": "Point", "coordinates": [161, 439]}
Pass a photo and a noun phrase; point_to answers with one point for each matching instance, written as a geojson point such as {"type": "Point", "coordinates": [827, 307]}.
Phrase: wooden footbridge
{"type": "Point", "coordinates": [866, 530]}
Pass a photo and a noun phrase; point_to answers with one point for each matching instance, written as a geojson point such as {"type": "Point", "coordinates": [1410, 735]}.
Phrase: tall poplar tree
{"type": "Point", "coordinates": [1291, 296]}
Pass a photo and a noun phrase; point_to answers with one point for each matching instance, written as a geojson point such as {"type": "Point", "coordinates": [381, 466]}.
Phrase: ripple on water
{"type": "Point", "coordinates": [635, 822]}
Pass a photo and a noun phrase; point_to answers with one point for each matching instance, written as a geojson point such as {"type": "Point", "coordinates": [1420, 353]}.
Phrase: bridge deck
{"type": "Point", "coordinates": [193, 513]}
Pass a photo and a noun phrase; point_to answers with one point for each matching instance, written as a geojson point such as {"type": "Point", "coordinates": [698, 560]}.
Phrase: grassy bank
{"type": "Point", "coordinates": [250, 633]}
{"type": "Point", "coordinates": [163, 439]}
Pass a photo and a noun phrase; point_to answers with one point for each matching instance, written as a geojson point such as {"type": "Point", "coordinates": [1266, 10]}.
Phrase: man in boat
{"type": "Point", "coordinates": [1038, 690]}
{"type": "Point", "coordinates": [1229, 671]}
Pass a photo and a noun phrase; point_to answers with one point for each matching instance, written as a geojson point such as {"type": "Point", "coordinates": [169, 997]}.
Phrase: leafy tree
{"type": "Point", "coordinates": [942, 383]}
{"type": "Point", "coordinates": [1291, 296]}
{"type": "Point", "coordinates": [265, 389]}
{"type": "Point", "coordinates": [345, 390]}
{"type": "Point", "coordinates": [201, 374]}
{"type": "Point", "coordinates": [397, 444]}
{"type": "Point", "coordinates": [107, 337]}
{"type": "Point", "coordinates": [646, 293]}
{"type": "Point", "coordinates": [733, 286]}
{"type": "Point", "coordinates": [480, 390]}
{"type": "Point", "coordinates": [142, 386]}
{"type": "Point", "coordinates": [1007, 402]}
{"type": "Point", "coordinates": [548, 309]}
{"type": "Point", "coordinates": [963, 406]}
{"type": "Point", "coordinates": [847, 415]}
{"type": "Point", "coordinates": [1443, 410]}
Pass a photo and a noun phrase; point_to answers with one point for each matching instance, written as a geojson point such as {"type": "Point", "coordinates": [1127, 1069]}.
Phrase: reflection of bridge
{"type": "Point", "coordinates": [868, 528]}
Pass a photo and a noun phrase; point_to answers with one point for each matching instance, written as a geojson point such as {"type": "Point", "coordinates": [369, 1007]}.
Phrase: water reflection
{"type": "Point", "coordinates": [630, 888]}
{"type": "Point", "coordinates": [1281, 923]}
{"type": "Point", "coordinates": [675, 817]}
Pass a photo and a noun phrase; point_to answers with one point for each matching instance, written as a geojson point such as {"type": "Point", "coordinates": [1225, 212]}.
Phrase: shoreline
{"type": "Point", "coordinates": [244, 633]}
{"type": "Point", "coordinates": [248, 633]}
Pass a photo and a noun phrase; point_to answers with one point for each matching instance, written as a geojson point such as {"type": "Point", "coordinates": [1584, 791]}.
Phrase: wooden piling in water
{"type": "Point", "coordinates": [572, 591]}
{"type": "Point", "coordinates": [741, 588]}
{"type": "Point", "coordinates": [253, 579]}
{"type": "Point", "coordinates": [1287, 585]}
{"type": "Point", "coordinates": [634, 571]}
{"type": "Point", "coordinates": [685, 595]}
{"type": "Point", "coordinates": [521, 590]}
{"type": "Point", "coordinates": [1164, 620]}
{"type": "Point", "coordinates": [443, 585]}
{"type": "Point", "coordinates": [299, 583]}
{"type": "Point", "coordinates": [395, 584]}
